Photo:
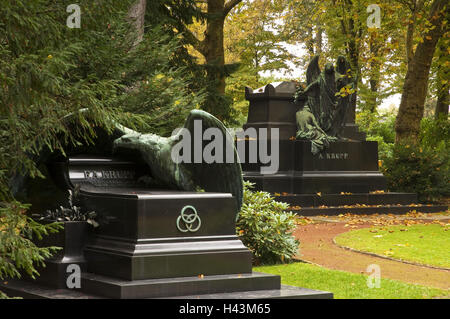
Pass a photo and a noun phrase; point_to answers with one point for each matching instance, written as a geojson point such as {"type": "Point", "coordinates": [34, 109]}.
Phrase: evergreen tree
{"type": "Point", "coordinates": [48, 71]}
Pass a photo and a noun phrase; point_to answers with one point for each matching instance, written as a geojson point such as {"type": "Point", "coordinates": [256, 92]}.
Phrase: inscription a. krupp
{"type": "Point", "coordinates": [332, 156]}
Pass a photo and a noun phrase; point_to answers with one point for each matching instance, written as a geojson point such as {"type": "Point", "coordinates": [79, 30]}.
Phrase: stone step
{"type": "Point", "coordinates": [366, 209]}
{"type": "Point", "coordinates": [374, 198]}
{"type": "Point", "coordinates": [29, 290]}
{"type": "Point", "coordinates": [171, 287]}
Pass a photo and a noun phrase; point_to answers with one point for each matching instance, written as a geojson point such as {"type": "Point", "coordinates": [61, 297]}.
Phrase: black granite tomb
{"type": "Point", "coordinates": [151, 243]}
{"type": "Point", "coordinates": [348, 166]}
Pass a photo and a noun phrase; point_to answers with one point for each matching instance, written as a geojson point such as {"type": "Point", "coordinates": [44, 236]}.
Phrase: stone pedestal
{"type": "Point", "coordinates": [343, 167]}
{"type": "Point", "coordinates": [143, 235]}
{"type": "Point", "coordinates": [72, 240]}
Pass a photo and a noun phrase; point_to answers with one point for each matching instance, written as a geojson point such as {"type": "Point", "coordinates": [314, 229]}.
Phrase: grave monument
{"type": "Point", "coordinates": [326, 166]}
{"type": "Point", "coordinates": [165, 229]}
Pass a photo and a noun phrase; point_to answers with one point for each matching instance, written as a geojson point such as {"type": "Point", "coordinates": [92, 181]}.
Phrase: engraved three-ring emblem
{"type": "Point", "coordinates": [188, 220]}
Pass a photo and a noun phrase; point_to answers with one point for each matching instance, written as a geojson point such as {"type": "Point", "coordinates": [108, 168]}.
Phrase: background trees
{"type": "Point", "coordinates": [419, 63]}
{"type": "Point", "coordinates": [254, 39]}
{"type": "Point", "coordinates": [143, 71]}
{"type": "Point", "coordinates": [177, 16]}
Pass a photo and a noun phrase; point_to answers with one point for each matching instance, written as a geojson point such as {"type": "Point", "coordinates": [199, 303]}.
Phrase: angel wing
{"type": "Point", "coordinates": [193, 171]}
{"type": "Point", "coordinates": [313, 70]}
{"type": "Point", "coordinates": [312, 75]}
{"type": "Point", "coordinates": [224, 174]}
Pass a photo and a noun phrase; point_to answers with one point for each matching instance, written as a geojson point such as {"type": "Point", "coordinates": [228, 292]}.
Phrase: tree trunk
{"type": "Point", "coordinates": [137, 16]}
{"type": "Point", "coordinates": [319, 39]}
{"type": "Point", "coordinates": [375, 69]}
{"type": "Point", "coordinates": [211, 47]}
{"type": "Point", "coordinates": [310, 41]}
{"type": "Point", "coordinates": [256, 66]}
{"type": "Point", "coordinates": [415, 87]}
{"type": "Point", "coordinates": [353, 53]}
{"type": "Point", "coordinates": [352, 32]}
{"type": "Point", "coordinates": [443, 83]}
{"type": "Point", "coordinates": [213, 44]}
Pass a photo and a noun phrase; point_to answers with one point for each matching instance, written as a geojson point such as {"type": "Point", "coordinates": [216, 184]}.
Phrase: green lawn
{"type": "Point", "coordinates": [424, 244]}
{"type": "Point", "coordinates": [347, 285]}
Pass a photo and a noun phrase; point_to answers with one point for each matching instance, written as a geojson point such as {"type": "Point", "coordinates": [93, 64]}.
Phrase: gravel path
{"type": "Point", "coordinates": [316, 246]}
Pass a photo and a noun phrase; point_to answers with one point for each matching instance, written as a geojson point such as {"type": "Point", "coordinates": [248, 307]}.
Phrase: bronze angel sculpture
{"type": "Point", "coordinates": [156, 151]}
{"type": "Point", "coordinates": [326, 101]}
{"type": "Point", "coordinates": [225, 177]}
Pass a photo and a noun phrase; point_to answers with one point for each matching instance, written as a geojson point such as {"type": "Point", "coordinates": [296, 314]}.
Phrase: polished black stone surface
{"type": "Point", "coordinates": [165, 261]}
{"type": "Point", "coordinates": [181, 286]}
{"type": "Point", "coordinates": [138, 234]}
{"type": "Point", "coordinates": [142, 233]}
{"type": "Point", "coordinates": [343, 167]}
{"type": "Point", "coordinates": [72, 240]}
{"type": "Point", "coordinates": [351, 131]}
{"type": "Point", "coordinates": [340, 156]}
{"type": "Point", "coordinates": [324, 182]}
{"type": "Point", "coordinates": [347, 166]}
{"type": "Point", "coordinates": [36, 290]}
{"type": "Point", "coordinates": [273, 106]}
{"type": "Point", "coordinates": [137, 214]}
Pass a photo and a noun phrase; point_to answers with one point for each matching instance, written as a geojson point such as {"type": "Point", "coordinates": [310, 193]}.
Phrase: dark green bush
{"type": "Point", "coordinates": [423, 168]}
{"type": "Point", "coordinates": [435, 133]}
{"type": "Point", "coordinates": [266, 228]}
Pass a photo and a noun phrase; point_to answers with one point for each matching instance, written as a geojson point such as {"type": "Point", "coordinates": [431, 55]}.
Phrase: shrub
{"type": "Point", "coordinates": [418, 169]}
{"type": "Point", "coordinates": [423, 168]}
{"type": "Point", "coordinates": [266, 228]}
{"type": "Point", "coordinates": [435, 133]}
